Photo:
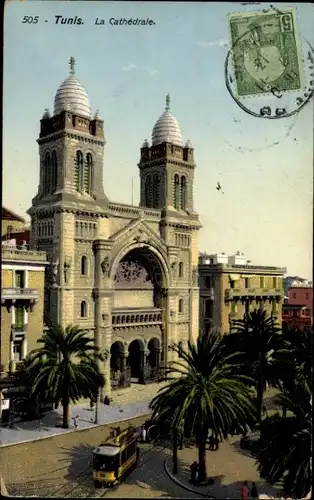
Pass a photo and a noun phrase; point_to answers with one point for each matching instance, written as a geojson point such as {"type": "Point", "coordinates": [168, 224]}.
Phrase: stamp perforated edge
{"type": "Point", "coordinates": [299, 47]}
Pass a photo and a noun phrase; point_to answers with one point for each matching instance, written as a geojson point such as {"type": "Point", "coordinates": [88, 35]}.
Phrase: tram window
{"type": "Point", "coordinates": [128, 453]}
{"type": "Point", "coordinates": [101, 462]}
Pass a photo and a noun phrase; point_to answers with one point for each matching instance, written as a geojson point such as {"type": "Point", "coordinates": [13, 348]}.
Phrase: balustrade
{"type": "Point", "coordinates": [139, 317]}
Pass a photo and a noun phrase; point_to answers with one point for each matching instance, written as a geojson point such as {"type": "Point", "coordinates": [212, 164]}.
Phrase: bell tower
{"type": "Point", "coordinates": [167, 167]}
{"type": "Point", "coordinates": [71, 147]}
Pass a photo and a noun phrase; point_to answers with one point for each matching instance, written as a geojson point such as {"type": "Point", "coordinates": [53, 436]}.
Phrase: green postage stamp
{"type": "Point", "coordinates": [265, 52]}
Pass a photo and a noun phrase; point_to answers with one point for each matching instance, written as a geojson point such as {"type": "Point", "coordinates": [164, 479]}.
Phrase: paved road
{"type": "Point", "coordinates": [59, 468]}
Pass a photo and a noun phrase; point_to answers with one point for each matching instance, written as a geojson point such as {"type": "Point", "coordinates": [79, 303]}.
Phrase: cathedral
{"type": "Point", "coordinates": [126, 274]}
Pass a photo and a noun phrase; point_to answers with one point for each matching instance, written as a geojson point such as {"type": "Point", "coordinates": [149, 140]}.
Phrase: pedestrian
{"type": "Point", "coordinates": [75, 419]}
{"type": "Point", "coordinates": [254, 493]}
{"type": "Point", "coordinates": [245, 491]}
{"type": "Point", "coordinates": [211, 442]}
{"type": "Point", "coordinates": [144, 433]}
{"type": "Point", "coordinates": [193, 470]}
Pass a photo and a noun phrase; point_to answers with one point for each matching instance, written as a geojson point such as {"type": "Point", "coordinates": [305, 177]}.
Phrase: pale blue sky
{"type": "Point", "coordinates": [266, 211]}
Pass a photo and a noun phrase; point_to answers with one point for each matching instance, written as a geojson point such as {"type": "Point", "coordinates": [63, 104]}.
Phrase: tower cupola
{"type": "Point", "coordinates": [167, 128]}
{"type": "Point", "coordinates": [71, 95]}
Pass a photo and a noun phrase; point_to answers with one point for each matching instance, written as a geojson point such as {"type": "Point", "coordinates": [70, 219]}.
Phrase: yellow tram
{"type": "Point", "coordinates": [116, 457]}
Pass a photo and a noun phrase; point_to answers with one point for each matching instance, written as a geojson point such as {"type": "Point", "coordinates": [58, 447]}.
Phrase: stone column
{"type": "Point", "coordinates": [158, 354]}
{"type": "Point", "coordinates": [24, 347]}
{"type": "Point", "coordinates": [11, 356]}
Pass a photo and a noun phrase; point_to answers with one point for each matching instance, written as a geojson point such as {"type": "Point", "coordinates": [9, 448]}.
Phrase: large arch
{"type": "Point", "coordinates": [135, 360]}
{"type": "Point", "coordinates": [158, 255]}
{"type": "Point", "coordinates": [140, 276]}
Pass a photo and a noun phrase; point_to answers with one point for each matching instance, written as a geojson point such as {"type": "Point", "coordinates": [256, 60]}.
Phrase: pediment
{"type": "Point", "coordinates": [138, 231]}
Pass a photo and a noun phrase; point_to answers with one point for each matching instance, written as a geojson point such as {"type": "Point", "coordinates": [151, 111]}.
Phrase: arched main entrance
{"type": "Point", "coordinates": [135, 359]}
{"type": "Point", "coordinates": [153, 357]}
{"type": "Point", "coordinates": [119, 374]}
{"type": "Point", "coordinates": [139, 308]}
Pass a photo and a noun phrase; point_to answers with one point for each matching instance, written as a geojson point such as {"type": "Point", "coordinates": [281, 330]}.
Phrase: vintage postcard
{"type": "Point", "coordinates": [156, 257]}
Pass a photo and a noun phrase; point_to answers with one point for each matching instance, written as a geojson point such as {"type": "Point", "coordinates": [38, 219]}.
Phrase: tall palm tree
{"type": "Point", "coordinates": [259, 339]}
{"type": "Point", "coordinates": [205, 391]}
{"type": "Point", "coordinates": [285, 443]}
{"type": "Point", "coordinates": [67, 367]}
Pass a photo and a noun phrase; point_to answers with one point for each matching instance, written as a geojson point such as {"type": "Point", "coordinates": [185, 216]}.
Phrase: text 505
{"type": "Point", "coordinates": [30, 19]}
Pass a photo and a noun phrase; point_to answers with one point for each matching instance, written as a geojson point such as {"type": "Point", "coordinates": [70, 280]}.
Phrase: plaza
{"type": "Point", "coordinates": [59, 465]}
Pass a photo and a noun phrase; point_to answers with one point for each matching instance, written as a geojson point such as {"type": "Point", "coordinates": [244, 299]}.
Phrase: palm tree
{"type": "Point", "coordinates": [298, 352]}
{"type": "Point", "coordinates": [205, 391]}
{"type": "Point", "coordinates": [260, 341]}
{"type": "Point", "coordinates": [285, 443]}
{"type": "Point", "coordinates": [67, 367]}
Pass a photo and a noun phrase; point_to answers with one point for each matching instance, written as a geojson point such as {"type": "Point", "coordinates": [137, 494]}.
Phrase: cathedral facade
{"type": "Point", "coordinates": [127, 274]}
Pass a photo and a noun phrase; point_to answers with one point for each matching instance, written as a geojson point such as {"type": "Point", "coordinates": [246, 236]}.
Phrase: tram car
{"type": "Point", "coordinates": [116, 457]}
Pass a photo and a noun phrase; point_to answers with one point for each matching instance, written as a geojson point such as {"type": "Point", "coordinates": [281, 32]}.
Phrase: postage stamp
{"type": "Point", "coordinates": [265, 52]}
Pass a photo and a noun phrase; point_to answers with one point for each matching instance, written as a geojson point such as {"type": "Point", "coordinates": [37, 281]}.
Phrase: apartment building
{"type": "Point", "coordinates": [22, 303]}
{"type": "Point", "coordinates": [231, 286]}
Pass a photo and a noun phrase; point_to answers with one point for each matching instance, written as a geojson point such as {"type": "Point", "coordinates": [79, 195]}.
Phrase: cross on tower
{"type": "Point", "coordinates": [72, 65]}
{"type": "Point", "coordinates": [167, 102]}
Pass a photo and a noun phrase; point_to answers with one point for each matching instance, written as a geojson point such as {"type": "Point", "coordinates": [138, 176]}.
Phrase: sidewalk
{"type": "Point", "coordinates": [48, 426]}
{"type": "Point", "coordinates": [229, 467]}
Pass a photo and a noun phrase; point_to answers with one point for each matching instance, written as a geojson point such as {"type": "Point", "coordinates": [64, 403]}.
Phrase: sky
{"type": "Point", "coordinates": [265, 167]}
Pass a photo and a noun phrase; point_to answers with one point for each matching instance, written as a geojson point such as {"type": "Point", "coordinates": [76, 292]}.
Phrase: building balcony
{"type": "Point", "coordinates": [207, 293]}
{"type": "Point", "coordinates": [253, 293]}
{"type": "Point", "coordinates": [138, 317]}
{"type": "Point", "coordinates": [19, 293]}
{"type": "Point", "coordinates": [12, 254]}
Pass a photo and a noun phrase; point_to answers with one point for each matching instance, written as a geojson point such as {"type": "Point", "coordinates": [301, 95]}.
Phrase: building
{"type": "Point", "coordinates": [291, 281]}
{"type": "Point", "coordinates": [22, 299]}
{"type": "Point", "coordinates": [231, 286]}
{"type": "Point", "coordinates": [127, 274]}
{"type": "Point", "coordinates": [10, 224]}
{"type": "Point", "coordinates": [297, 310]}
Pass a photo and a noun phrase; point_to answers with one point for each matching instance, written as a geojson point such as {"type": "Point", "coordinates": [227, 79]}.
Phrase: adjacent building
{"type": "Point", "coordinates": [13, 225]}
{"type": "Point", "coordinates": [127, 274]}
{"type": "Point", "coordinates": [22, 299]}
{"type": "Point", "coordinates": [297, 309]}
{"type": "Point", "coordinates": [231, 285]}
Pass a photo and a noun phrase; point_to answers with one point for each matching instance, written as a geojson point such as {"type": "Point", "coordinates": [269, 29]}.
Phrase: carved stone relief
{"type": "Point", "coordinates": [105, 265]}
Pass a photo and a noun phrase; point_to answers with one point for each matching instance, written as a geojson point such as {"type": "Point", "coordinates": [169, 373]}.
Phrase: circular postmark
{"type": "Point", "coordinates": [269, 69]}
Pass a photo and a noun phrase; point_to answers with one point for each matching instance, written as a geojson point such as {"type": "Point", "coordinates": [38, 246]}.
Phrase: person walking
{"type": "Point", "coordinates": [245, 491]}
{"type": "Point", "coordinates": [144, 434]}
{"type": "Point", "coordinates": [254, 493]}
{"type": "Point", "coordinates": [193, 470]}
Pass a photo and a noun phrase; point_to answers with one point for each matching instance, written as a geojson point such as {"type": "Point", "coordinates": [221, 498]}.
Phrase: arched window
{"type": "Point", "coordinates": [176, 192]}
{"type": "Point", "coordinates": [88, 169]}
{"type": "Point", "coordinates": [79, 171]}
{"type": "Point", "coordinates": [84, 309]}
{"type": "Point", "coordinates": [54, 171]}
{"type": "Point", "coordinates": [183, 193]}
{"type": "Point", "coordinates": [180, 269]}
{"type": "Point", "coordinates": [180, 305]}
{"type": "Point", "coordinates": [84, 265]}
{"type": "Point", "coordinates": [47, 174]}
{"type": "Point", "coordinates": [148, 191]}
{"type": "Point", "coordinates": [156, 187]}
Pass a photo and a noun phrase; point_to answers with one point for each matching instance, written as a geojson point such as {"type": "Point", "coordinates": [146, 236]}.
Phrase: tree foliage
{"type": "Point", "coordinates": [65, 367]}
{"type": "Point", "coordinates": [206, 391]}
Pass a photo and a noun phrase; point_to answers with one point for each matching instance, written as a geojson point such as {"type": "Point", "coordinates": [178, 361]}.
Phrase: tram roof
{"type": "Point", "coordinates": [109, 451]}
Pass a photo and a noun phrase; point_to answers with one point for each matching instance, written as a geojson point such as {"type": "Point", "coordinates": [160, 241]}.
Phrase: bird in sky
{"type": "Point", "coordinates": [218, 187]}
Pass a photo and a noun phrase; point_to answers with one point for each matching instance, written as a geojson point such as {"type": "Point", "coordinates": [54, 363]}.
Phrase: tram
{"type": "Point", "coordinates": [115, 458]}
